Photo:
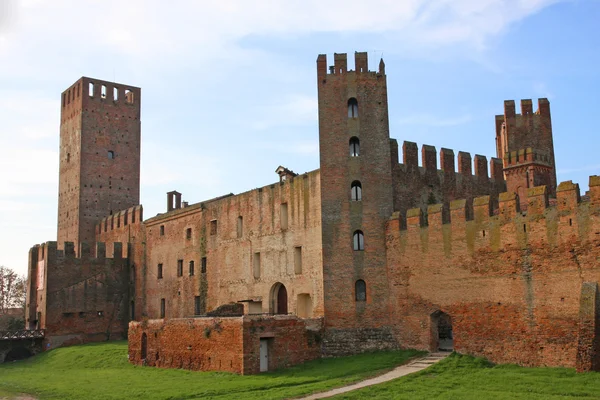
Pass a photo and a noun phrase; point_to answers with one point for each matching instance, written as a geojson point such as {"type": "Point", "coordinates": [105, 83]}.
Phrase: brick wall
{"type": "Point", "coordinates": [510, 283]}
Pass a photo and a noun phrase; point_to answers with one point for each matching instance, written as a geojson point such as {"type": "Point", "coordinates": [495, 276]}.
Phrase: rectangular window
{"type": "Point", "coordinates": [159, 272]}
{"type": "Point", "coordinates": [256, 265]}
{"type": "Point", "coordinates": [162, 308]}
{"type": "Point", "coordinates": [284, 216]}
{"type": "Point", "coordinates": [298, 259]}
{"type": "Point", "coordinates": [179, 267]}
{"type": "Point", "coordinates": [188, 233]}
{"type": "Point", "coordinates": [203, 265]}
{"type": "Point", "coordinates": [240, 227]}
{"type": "Point", "coordinates": [197, 310]}
{"type": "Point", "coordinates": [213, 227]}
{"type": "Point", "coordinates": [162, 230]}
{"type": "Point", "coordinates": [192, 272]}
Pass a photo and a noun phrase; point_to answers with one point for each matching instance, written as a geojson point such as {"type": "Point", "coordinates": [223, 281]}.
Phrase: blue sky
{"type": "Point", "coordinates": [229, 87]}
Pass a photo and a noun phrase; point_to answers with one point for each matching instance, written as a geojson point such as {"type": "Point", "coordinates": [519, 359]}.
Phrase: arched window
{"type": "Point", "coordinates": [360, 290]}
{"type": "Point", "coordinates": [356, 191]}
{"type": "Point", "coordinates": [354, 147]}
{"type": "Point", "coordinates": [352, 108]}
{"type": "Point", "coordinates": [358, 241]}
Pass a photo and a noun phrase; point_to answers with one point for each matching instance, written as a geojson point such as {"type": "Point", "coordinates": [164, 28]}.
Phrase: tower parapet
{"type": "Point", "coordinates": [524, 141]}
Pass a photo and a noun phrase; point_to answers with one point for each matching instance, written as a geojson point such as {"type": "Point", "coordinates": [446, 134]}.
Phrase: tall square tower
{"type": "Point", "coordinates": [99, 155]}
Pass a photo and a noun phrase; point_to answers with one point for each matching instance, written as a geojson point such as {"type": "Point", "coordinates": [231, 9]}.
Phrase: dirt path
{"type": "Point", "coordinates": [414, 366]}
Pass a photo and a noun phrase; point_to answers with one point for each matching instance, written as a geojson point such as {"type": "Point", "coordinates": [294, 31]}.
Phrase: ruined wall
{"type": "Point", "coordinates": [230, 274]}
{"type": "Point", "coordinates": [229, 344]}
{"type": "Point", "coordinates": [419, 186]}
{"type": "Point", "coordinates": [78, 299]}
{"type": "Point", "coordinates": [510, 282]}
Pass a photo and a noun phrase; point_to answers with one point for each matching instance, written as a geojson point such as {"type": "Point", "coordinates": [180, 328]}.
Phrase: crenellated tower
{"type": "Point", "coordinates": [524, 143]}
{"type": "Point", "coordinates": [356, 201]}
{"type": "Point", "coordinates": [99, 156]}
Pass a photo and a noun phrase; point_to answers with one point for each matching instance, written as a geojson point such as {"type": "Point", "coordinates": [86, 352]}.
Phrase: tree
{"type": "Point", "coordinates": [12, 290]}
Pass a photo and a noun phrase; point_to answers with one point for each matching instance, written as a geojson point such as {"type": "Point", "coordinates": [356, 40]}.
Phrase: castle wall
{"type": "Point", "coordinates": [510, 283]}
{"type": "Point", "coordinates": [78, 299]}
{"type": "Point", "coordinates": [417, 186]}
{"type": "Point", "coordinates": [230, 254]}
{"type": "Point", "coordinates": [223, 343]}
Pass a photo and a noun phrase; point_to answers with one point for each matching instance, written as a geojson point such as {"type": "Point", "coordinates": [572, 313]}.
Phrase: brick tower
{"type": "Point", "coordinates": [356, 202]}
{"type": "Point", "coordinates": [524, 143]}
{"type": "Point", "coordinates": [99, 156]}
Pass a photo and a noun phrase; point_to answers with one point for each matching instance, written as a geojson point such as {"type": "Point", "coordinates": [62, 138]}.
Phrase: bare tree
{"type": "Point", "coordinates": [12, 290]}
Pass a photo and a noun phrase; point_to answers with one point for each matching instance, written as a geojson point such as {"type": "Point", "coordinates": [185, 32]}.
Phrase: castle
{"type": "Point", "coordinates": [364, 253]}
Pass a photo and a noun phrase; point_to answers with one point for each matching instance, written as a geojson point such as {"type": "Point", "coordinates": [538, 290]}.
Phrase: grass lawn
{"type": "Point", "coordinates": [101, 371]}
{"type": "Point", "coordinates": [465, 377]}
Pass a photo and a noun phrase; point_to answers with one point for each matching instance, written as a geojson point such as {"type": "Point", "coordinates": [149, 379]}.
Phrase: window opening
{"type": "Point", "coordinates": [162, 230]}
{"type": "Point", "coordinates": [162, 308]}
{"type": "Point", "coordinates": [213, 227]}
{"type": "Point", "coordinates": [356, 191]}
{"type": "Point", "coordinates": [256, 265]}
{"type": "Point", "coordinates": [284, 215]}
{"type": "Point", "coordinates": [179, 267]}
{"type": "Point", "coordinates": [188, 233]}
{"type": "Point", "coordinates": [197, 310]}
{"type": "Point", "coordinates": [115, 93]}
{"type": "Point", "coordinates": [352, 108]}
{"type": "Point", "coordinates": [111, 155]}
{"type": "Point", "coordinates": [359, 241]}
{"type": "Point", "coordinates": [91, 89]}
{"type": "Point", "coordinates": [203, 265]}
{"type": "Point", "coordinates": [159, 272]}
{"type": "Point", "coordinates": [298, 260]}
{"type": "Point", "coordinates": [192, 272]}
{"type": "Point", "coordinates": [128, 96]}
{"type": "Point", "coordinates": [240, 227]}
{"type": "Point", "coordinates": [360, 290]}
{"type": "Point", "coordinates": [103, 92]}
{"type": "Point", "coordinates": [354, 147]}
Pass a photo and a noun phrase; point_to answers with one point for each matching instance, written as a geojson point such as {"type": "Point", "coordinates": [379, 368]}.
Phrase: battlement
{"type": "Point", "coordinates": [559, 219]}
{"type": "Point", "coordinates": [340, 65]}
{"type": "Point", "coordinates": [49, 252]}
{"type": "Point", "coordinates": [121, 219]}
{"type": "Point", "coordinates": [526, 156]}
{"type": "Point", "coordinates": [526, 108]}
{"type": "Point", "coordinates": [466, 164]}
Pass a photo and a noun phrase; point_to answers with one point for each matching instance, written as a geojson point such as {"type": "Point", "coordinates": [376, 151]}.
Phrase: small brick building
{"type": "Point", "coordinates": [488, 258]}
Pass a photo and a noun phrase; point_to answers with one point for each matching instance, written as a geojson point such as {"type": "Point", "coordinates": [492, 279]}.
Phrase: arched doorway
{"type": "Point", "coordinates": [279, 299]}
{"type": "Point", "coordinates": [442, 337]}
{"type": "Point", "coordinates": [144, 346]}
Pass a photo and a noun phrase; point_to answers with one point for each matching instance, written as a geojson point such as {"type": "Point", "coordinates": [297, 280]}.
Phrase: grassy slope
{"type": "Point", "coordinates": [101, 371]}
{"type": "Point", "coordinates": [465, 377]}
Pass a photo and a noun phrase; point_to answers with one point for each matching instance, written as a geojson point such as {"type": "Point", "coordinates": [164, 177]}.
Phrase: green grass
{"type": "Point", "coordinates": [465, 377]}
{"type": "Point", "coordinates": [101, 371]}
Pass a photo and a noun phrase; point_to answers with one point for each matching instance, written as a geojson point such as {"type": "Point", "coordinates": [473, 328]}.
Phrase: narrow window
{"type": "Point", "coordinates": [111, 155]}
{"type": "Point", "coordinates": [359, 241]}
{"type": "Point", "coordinates": [360, 290]}
{"type": "Point", "coordinates": [179, 267]}
{"type": "Point", "coordinates": [256, 265]}
{"type": "Point", "coordinates": [188, 233]}
{"type": "Point", "coordinates": [284, 215]}
{"type": "Point", "coordinates": [356, 191]}
{"type": "Point", "coordinates": [197, 305]}
{"type": "Point", "coordinates": [352, 108]}
{"type": "Point", "coordinates": [116, 94]}
{"type": "Point", "coordinates": [64, 99]}
{"type": "Point", "coordinates": [68, 157]}
{"type": "Point", "coordinates": [162, 230]}
{"type": "Point", "coordinates": [159, 272]}
{"type": "Point", "coordinates": [213, 227]}
{"type": "Point", "coordinates": [354, 147]}
{"type": "Point", "coordinates": [203, 265]}
{"type": "Point", "coordinates": [192, 272]}
{"type": "Point", "coordinates": [103, 92]}
{"type": "Point", "coordinates": [91, 89]}
{"type": "Point", "coordinates": [128, 96]}
{"type": "Point", "coordinates": [162, 308]}
{"type": "Point", "coordinates": [298, 259]}
{"type": "Point", "coordinates": [240, 227]}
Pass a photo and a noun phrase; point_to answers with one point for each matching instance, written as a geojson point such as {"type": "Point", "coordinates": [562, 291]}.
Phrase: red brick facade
{"type": "Point", "coordinates": [495, 261]}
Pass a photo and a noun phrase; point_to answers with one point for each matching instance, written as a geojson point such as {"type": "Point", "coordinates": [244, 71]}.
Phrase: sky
{"type": "Point", "coordinates": [229, 87]}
